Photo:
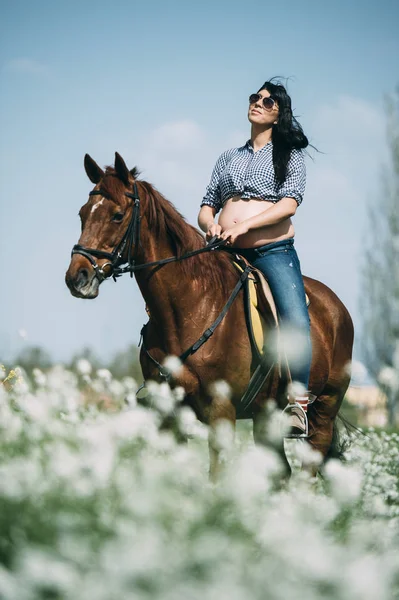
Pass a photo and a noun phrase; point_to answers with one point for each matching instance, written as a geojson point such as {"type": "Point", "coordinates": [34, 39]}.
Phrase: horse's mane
{"type": "Point", "coordinates": [211, 268]}
{"type": "Point", "coordinates": [166, 220]}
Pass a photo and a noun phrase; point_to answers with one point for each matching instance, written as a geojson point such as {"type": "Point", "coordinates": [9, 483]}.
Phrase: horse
{"type": "Point", "coordinates": [126, 216]}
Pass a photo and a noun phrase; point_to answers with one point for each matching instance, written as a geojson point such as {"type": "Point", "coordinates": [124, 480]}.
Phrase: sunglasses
{"type": "Point", "coordinates": [267, 101]}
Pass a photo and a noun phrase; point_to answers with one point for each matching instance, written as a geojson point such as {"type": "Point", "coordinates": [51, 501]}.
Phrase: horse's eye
{"type": "Point", "coordinates": [118, 217]}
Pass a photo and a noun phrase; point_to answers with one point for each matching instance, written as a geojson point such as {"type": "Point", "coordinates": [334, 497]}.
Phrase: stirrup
{"type": "Point", "coordinates": [300, 434]}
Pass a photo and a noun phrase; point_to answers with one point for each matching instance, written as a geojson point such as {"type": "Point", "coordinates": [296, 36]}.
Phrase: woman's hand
{"type": "Point", "coordinates": [213, 229]}
{"type": "Point", "coordinates": [231, 235]}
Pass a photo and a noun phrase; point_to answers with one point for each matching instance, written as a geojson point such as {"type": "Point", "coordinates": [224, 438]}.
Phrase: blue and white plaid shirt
{"type": "Point", "coordinates": [248, 174]}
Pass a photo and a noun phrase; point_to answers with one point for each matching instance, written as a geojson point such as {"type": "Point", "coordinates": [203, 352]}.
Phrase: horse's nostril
{"type": "Point", "coordinates": [82, 277]}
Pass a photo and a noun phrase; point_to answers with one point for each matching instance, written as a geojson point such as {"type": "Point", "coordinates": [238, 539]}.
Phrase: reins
{"type": "Point", "coordinates": [213, 244]}
{"type": "Point", "coordinates": [207, 333]}
{"type": "Point", "coordinates": [131, 239]}
{"type": "Point", "coordinates": [130, 242]}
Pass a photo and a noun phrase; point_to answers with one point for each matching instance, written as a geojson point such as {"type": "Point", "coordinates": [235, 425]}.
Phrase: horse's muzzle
{"type": "Point", "coordinates": [81, 279]}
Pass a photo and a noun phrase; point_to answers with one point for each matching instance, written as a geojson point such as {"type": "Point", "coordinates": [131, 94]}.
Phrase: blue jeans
{"type": "Point", "coordinates": [280, 264]}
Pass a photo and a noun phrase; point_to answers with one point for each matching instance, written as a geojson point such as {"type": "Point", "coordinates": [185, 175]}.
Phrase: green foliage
{"type": "Point", "coordinates": [126, 363]}
{"type": "Point", "coordinates": [33, 357]}
{"type": "Point", "coordinates": [86, 354]}
{"type": "Point", "coordinates": [102, 504]}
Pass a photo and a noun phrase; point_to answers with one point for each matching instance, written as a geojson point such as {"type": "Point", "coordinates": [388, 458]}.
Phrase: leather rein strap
{"type": "Point", "coordinates": [258, 378]}
{"type": "Point", "coordinates": [207, 333]}
{"type": "Point", "coordinates": [131, 239]}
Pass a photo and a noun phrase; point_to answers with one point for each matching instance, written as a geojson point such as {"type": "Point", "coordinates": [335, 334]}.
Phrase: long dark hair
{"type": "Point", "coordinates": [287, 133]}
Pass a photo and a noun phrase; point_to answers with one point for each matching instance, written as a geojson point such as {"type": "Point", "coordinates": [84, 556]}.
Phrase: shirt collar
{"type": "Point", "coordinates": [248, 146]}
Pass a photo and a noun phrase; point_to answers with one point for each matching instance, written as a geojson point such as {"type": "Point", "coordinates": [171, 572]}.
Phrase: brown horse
{"type": "Point", "coordinates": [185, 297]}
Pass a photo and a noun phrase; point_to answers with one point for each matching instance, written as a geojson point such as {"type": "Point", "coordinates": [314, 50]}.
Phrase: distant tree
{"type": "Point", "coordinates": [33, 357]}
{"type": "Point", "coordinates": [89, 355]}
{"type": "Point", "coordinates": [379, 301]}
{"type": "Point", "coordinates": [126, 363]}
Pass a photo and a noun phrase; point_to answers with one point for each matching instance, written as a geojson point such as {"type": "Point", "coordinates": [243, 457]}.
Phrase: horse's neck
{"type": "Point", "coordinates": [165, 290]}
{"type": "Point", "coordinates": [182, 302]}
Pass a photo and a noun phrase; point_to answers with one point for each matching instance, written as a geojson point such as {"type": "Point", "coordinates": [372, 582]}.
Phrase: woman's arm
{"type": "Point", "coordinates": [206, 221]}
{"type": "Point", "coordinates": [211, 202]}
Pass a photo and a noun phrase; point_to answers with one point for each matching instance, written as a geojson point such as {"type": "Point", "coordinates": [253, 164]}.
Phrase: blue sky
{"type": "Point", "coordinates": [166, 84]}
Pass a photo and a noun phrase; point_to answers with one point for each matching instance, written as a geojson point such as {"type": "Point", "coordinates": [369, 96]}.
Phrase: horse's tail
{"type": "Point", "coordinates": [340, 444]}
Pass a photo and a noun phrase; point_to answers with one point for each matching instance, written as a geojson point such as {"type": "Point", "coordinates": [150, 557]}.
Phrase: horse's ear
{"type": "Point", "coordinates": [93, 171]}
{"type": "Point", "coordinates": [121, 169]}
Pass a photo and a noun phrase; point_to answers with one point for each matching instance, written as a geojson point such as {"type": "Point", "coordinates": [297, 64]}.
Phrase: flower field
{"type": "Point", "coordinates": [97, 503]}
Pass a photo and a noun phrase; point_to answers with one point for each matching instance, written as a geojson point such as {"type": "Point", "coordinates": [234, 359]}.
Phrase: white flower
{"type": "Point", "coordinates": [293, 343]}
{"type": "Point", "coordinates": [222, 435]}
{"type": "Point", "coordinates": [179, 393]}
{"type": "Point", "coordinates": [19, 372]}
{"type": "Point", "coordinates": [173, 365]}
{"type": "Point", "coordinates": [130, 384]}
{"type": "Point", "coordinates": [307, 455]}
{"type": "Point", "coordinates": [367, 577]}
{"type": "Point", "coordinates": [220, 389]}
{"type": "Point", "coordinates": [161, 396]}
{"type": "Point", "coordinates": [41, 569]}
{"type": "Point", "coordinates": [104, 374]}
{"type": "Point", "coordinates": [131, 399]}
{"type": "Point", "coordinates": [116, 388]}
{"type": "Point", "coordinates": [135, 423]}
{"type": "Point", "coordinates": [345, 480]}
{"type": "Point", "coordinates": [389, 377]}
{"type": "Point", "coordinates": [356, 370]}
{"type": "Point", "coordinates": [21, 385]}
{"type": "Point", "coordinates": [251, 475]}
{"type": "Point", "coordinates": [10, 587]}
{"type": "Point", "coordinates": [187, 420]}
{"type": "Point", "coordinates": [83, 366]}
{"type": "Point", "coordinates": [32, 406]}
{"type": "Point", "coordinates": [272, 424]}
{"type": "Point", "coordinates": [61, 380]}
{"type": "Point", "coordinates": [22, 333]}
{"type": "Point", "coordinates": [295, 388]}
{"type": "Point", "coordinates": [39, 377]}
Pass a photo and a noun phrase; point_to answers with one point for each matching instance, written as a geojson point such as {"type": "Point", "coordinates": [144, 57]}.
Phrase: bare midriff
{"type": "Point", "coordinates": [238, 209]}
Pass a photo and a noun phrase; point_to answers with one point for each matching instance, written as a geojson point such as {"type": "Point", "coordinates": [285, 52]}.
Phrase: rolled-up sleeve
{"type": "Point", "coordinates": [295, 182]}
{"type": "Point", "coordinates": [212, 193]}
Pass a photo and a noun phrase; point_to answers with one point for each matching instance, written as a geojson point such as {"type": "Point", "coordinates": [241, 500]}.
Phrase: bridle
{"type": "Point", "coordinates": [131, 239]}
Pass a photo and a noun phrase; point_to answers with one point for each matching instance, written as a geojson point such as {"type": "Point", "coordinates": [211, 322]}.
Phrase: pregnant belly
{"type": "Point", "coordinates": [237, 210]}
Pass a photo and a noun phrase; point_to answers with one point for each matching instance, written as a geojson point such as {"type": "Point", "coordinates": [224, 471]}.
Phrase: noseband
{"type": "Point", "coordinates": [130, 239]}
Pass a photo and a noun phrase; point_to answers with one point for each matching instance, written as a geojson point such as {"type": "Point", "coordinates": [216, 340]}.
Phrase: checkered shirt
{"type": "Point", "coordinates": [248, 174]}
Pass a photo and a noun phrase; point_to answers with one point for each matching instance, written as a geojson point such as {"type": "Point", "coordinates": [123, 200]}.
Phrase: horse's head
{"type": "Point", "coordinates": [109, 222]}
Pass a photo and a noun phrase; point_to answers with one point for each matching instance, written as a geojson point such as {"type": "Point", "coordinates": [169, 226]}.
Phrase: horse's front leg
{"type": "Point", "coordinates": [267, 432]}
{"type": "Point", "coordinates": [221, 421]}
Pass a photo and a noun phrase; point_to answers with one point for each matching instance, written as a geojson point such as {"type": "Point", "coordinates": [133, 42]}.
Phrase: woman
{"type": "Point", "coordinates": [258, 188]}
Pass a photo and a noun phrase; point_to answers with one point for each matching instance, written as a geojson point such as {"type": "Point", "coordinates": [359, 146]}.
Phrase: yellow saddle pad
{"type": "Point", "coordinates": [259, 326]}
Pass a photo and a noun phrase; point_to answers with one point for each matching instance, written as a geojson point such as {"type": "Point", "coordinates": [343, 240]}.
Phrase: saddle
{"type": "Point", "coordinates": [261, 314]}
